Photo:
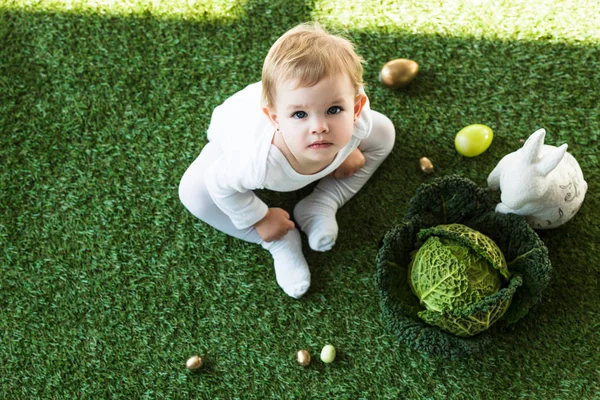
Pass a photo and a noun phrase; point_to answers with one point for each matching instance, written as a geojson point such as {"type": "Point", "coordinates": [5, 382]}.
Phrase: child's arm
{"type": "Point", "coordinates": [230, 184]}
{"type": "Point", "coordinates": [230, 189]}
{"type": "Point", "coordinates": [352, 163]}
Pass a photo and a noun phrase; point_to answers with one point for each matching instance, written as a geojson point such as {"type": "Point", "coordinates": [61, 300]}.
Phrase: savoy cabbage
{"type": "Point", "coordinates": [522, 274]}
{"type": "Point", "coordinates": [454, 269]}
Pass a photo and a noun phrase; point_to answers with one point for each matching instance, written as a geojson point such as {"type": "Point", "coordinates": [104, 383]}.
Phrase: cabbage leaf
{"type": "Point", "coordinates": [470, 320]}
{"type": "Point", "coordinates": [445, 274]}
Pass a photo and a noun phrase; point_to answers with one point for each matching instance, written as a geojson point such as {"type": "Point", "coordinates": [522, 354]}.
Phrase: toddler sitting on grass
{"type": "Point", "coordinates": [308, 119]}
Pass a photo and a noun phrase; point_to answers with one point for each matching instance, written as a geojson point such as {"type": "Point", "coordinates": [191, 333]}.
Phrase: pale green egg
{"type": "Point", "coordinates": [328, 354]}
{"type": "Point", "coordinates": [473, 140]}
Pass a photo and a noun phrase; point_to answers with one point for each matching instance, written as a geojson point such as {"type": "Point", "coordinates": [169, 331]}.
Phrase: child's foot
{"type": "Point", "coordinates": [317, 220]}
{"type": "Point", "coordinates": [291, 269]}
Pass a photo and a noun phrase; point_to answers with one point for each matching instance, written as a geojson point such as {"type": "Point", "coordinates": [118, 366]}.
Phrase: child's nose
{"type": "Point", "coordinates": [320, 126]}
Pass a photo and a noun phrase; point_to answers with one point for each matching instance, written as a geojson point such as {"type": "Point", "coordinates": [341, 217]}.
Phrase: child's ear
{"type": "Point", "coordinates": [272, 116]}
{"type": "Point", "coordinates": [359, 103]}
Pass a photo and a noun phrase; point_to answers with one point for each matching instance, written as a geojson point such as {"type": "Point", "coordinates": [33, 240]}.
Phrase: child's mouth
{"type": "Point", "coordinates": [320, 145]}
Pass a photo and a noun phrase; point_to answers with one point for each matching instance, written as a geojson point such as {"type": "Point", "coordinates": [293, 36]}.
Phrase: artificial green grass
{"type": "Point", "coordinates": [108, 285]}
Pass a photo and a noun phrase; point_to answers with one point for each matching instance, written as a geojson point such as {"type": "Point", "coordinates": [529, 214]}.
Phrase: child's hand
{"type": "Point", "coordinates": [274, 225]}
{"type": "Point", "coordinates": [352, 163]}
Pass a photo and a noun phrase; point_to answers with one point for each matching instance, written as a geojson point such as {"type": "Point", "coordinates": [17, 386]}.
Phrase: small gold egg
{"type": "Point", "coordinates": [398, 73]}
{"type": "Point", "coordinates": [303, 357]}
{"type": "Point", "coordinates": [426, 165]}
{"type": "Point", "coordinates": [194, 363]}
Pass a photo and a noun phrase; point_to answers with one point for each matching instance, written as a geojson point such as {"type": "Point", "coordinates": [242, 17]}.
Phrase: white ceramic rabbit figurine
{"type": "Point", "coordinates": [540, 182]}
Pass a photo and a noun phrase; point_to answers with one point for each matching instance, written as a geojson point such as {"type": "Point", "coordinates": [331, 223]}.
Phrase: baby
{"type": "Point", "coordinates": [307, 120]}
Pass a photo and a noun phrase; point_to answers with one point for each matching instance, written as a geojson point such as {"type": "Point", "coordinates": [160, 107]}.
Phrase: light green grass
{"type": "Point", "coordinates": [108, 285]}
{"type": "Point", "coordinates": [551, 21]}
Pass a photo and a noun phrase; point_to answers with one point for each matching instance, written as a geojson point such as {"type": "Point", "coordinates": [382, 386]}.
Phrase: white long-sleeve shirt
{"type": "Point", "coordinates": [250, 161]}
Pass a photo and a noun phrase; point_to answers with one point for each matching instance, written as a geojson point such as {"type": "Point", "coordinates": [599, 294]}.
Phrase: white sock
{"type": "Point", "coordinates": [291, 269]}
{"type": "Point", "coordinates": [316, 218]}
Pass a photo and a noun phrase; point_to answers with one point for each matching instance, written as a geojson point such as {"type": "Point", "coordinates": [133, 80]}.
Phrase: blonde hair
{"type": "Point", "coordinates": [305, 55]}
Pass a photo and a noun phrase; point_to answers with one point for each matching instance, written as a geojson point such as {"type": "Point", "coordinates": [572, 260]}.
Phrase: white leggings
{"type": "Point", "coordinates": [195, 197]}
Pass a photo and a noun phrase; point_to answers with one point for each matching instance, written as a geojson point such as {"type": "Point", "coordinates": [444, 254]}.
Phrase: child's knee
{"type": "Point", "coordinates": [385, 131]}
{"type": "Point", "coordinates": [185, 191]}
{"type": "Point", "coordinates": [192, 198]}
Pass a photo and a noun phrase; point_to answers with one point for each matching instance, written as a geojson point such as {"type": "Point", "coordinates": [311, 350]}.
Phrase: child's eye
{"type": "Point", "coordinates": [299, 114]}
{"type": "Point", "coordinates": [334, 110]}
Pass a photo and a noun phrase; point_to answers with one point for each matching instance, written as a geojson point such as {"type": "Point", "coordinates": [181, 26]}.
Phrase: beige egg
{"type": "Point", "coordinates": [398, 73]}
{"type": "Point", "coordinates": [426, 165]}
{"type": "Point", "coordinates": [303, 357]}
{"type": "Point", "coordinates": [194, 363]}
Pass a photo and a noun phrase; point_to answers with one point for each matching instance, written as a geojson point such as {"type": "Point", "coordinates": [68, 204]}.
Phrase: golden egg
{"type": "Point", "coordinates": [303, 357]}
{"type": "Point", "coordinates": [398, 73]}
{"type": "Point", "coordinates": [194, 363]}
{"type": "Point", "coordinates": [426, 165]}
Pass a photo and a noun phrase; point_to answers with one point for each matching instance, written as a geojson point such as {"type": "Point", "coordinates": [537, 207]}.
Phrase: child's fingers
{"type": "Point", "coordinates": [282, 212]}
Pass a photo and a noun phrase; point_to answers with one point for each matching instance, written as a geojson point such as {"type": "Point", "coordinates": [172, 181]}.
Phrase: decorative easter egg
{"type": "Point", "coordinates": [473, 140]}
{"type": "Point", "coordinates": [328, 354]}
{"type": "Point", "coordinates": [194, 363]}
{"type": "Point", "coordinates": [398, 73]}
{"type": "Point", "coordinates": [303, 357]}
{"type": "Point", "coordinates": [426, 165]}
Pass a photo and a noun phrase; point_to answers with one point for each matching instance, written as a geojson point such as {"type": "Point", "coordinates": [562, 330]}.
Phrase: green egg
{"type": "Point", "coordinates": [473, 140]}
{"type": "Point", "coordinates": [328, 354]}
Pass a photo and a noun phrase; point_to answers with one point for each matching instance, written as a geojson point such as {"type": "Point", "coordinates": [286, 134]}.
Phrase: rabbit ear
{"type": "Point", "coordinates": [551, 160]}
{"type": "Point", "coordinates": [533, 146]}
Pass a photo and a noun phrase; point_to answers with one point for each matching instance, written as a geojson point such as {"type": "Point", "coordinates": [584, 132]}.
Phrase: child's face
{"type": "Point", "coordinates": [316, 122]}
